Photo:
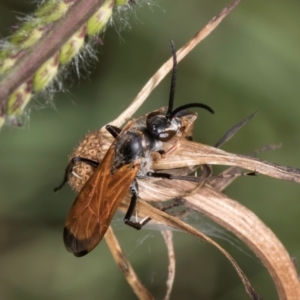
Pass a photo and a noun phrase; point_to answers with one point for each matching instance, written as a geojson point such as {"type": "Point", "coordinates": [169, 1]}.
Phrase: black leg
{"type": "Point", "coordinates": [177, 202]}
{"type": "Point", "coordinates": [113, 130]}
{"type": "Point", "coordinates": [205, 177]}
{"type": "Point", "coordinates": [170, 177]}
{"type": "Point", "coordinates": [70, 166]}
{"type": "Point", "coordinates": [134, 188]}
{"type": "Point", "coordinates": [87, 161]}
{"type": "Point", "coordinates": [135, 191]}
{"type": "Point", "coordinates": [161, 152]}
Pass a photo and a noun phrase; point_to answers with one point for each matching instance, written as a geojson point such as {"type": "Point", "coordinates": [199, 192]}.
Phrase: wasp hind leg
{"type": "Point", "coordinates": [71, 165]}
{"type": "Point", "coordinates": [138, 225]}
{"type": "Point", "coordinates": [134, 188]}
{"type": "Point", "coordinates": [135, 191]}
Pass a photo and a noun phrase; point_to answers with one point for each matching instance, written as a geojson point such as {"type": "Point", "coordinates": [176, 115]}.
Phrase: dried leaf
{"type": "Point", "coordinates": [164, 218]}
{"type": "Point", "coordinates": [234, 217]}
{"type": "Point", "coordinates": [229, 175]}
{"type": "Point", "coordinates": [232, 131]}
{"type": "Point", "coordinates": [189, 153]}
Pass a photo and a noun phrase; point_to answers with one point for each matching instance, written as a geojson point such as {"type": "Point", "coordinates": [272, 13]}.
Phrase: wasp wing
{"type": "Point", "coordinates": [95, 205]}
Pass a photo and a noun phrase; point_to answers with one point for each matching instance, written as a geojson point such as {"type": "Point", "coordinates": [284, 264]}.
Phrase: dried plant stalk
{"type": "Point", "coordinates": [230, 174]}
{"type": "Point", "coordinates": [236, 218]}
{"type": "Point", "coordinates": [146, 209]}
{"type": "Point", "coordinates": [116, 250]}
{"type": "Point", "coordinates": [167, 66]}
{"type": "Point", "coordinates": [255, 234]}
{"type": "Point", "coordinates": [192, 153]}
{"type": "Point", "coordinates": [168, 238]}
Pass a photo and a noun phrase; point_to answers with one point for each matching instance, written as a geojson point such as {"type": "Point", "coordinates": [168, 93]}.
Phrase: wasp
{"type": "Point", "coordinates": [128, 158]}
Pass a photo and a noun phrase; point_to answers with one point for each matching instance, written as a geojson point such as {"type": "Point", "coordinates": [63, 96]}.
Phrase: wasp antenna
{"type": "Point", "coordinates": [173, 81]}
{"type": "Point", "coordinates": [190, 105]}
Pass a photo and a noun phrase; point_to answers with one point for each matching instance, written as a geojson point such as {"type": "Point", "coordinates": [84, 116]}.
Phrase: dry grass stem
{"type": "Point", "coordinates": [254, 233]}
{"type": "Point", "coordinates": [236, 218]}
{"type": "Point", "coordinates": [131, 277]}
{"type": "Point", "coordinates": [229, 175]}
{"type": "Point", "coordinates": [168, 238]}
{"type": "Point", "coordinates": [192, 153]}
{"type": "Point", "coordinates": [167, 66]}
{"type": "Point", "coordinates": [162, 217]}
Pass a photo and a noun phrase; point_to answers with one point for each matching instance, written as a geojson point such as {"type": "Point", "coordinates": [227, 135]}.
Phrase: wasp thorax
{"type": "Point", "coordinates": [128, 148]}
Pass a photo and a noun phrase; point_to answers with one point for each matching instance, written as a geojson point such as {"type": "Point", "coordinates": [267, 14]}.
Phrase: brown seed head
{"type": "Point", "coordinates": [93, 146]}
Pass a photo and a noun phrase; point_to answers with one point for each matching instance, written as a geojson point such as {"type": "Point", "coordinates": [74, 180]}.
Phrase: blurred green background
{"type": "Point", "coordinates": [251, 62]}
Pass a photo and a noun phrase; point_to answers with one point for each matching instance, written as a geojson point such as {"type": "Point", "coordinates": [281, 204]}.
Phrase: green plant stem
{"type": "Point", "coordinates": [56, 35]}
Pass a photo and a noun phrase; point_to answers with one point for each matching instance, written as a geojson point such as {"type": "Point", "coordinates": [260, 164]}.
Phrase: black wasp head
{"type": "Point", "coordinates": [164, 127]}
{"type": "Point", "coordinates": [161, 127]}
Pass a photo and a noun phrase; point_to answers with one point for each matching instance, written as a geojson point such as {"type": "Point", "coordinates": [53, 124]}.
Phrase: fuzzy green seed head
{"type": "Point", "coordinates": [6, 65]}
{"type": "Point", "coordinates": [100, 19]}
{"type": "Point", "coordinates": [4, 54]}
{"type": "Point", "coordinates": [6, 62]}
{"type": "Point", "coordinates": [73, 46]}
{"type": "Point", "coordinates": [18, 100]}
{"type": "Point", "coordinates": [27, 35]}
{"type": "Point", "coordinates": [121, 2]}
{"type": "Point", "coordinates": [52, 11]}
{"type": "Point", "coordinates": [2, 121]}
{"type": "Point", "coordinates": [46, 8]}
{"type": "Point", "coordinates": [45, 73]}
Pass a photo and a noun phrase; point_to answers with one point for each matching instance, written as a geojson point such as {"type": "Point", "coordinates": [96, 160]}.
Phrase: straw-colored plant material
{"type": "Point", "coordinates": [230, 174]}
{"type": "Point", "coordinates": [168, 238]}
{"type": "Point", "coordinates": [131, 277]}
{"type": "Point", "coordinates": [192, 153]}
{"type": "Point", "coordinates": [236, 218]}
{"type": "Point", "coordinates": [167, 66]}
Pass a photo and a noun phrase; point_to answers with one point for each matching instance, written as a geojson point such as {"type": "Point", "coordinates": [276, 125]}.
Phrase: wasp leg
{"type": "Point", "coordinates": [113, 130]}
{"type": "Point", "coordinates": [70, 166]}
{"type": "Point", "coordinates": [206, 174]}
{"type": "Point", "coordinates": [161, 152]}
{"type": "Point", "coordinates": [175, 203]}
{"type": "Point", "coordinates": [173, 177]}
{"type": "Point", "coordinates": [138, 225]}
{"type": "Point", "coordinates": [205, 177]}
{"type": "Point", "coordinates": [134, 188]}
